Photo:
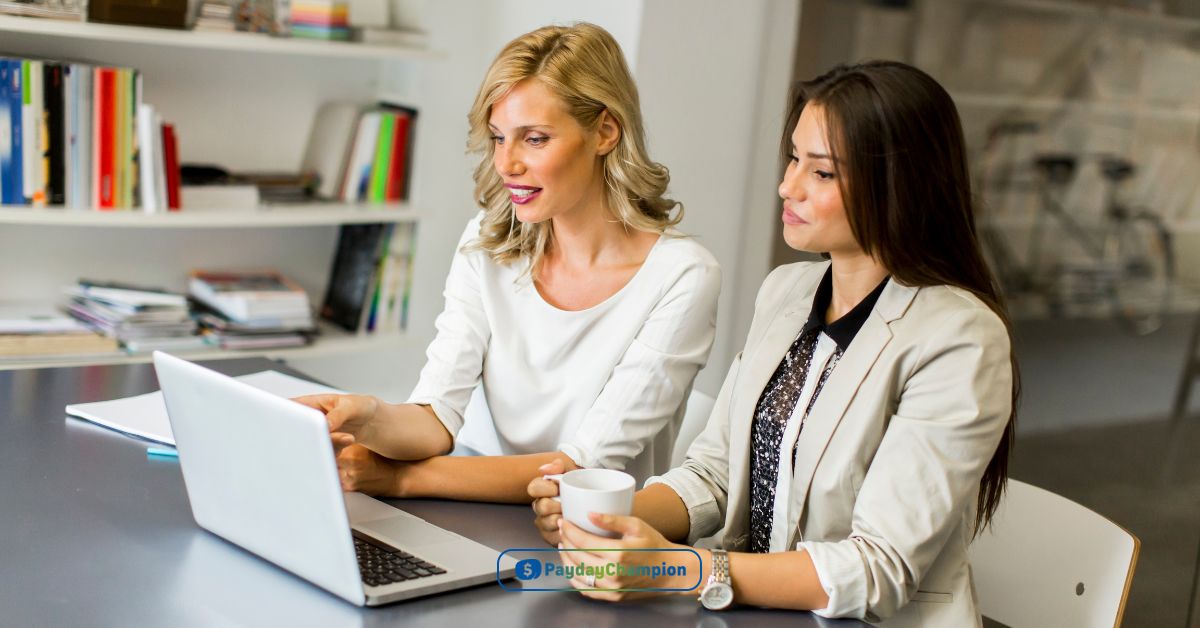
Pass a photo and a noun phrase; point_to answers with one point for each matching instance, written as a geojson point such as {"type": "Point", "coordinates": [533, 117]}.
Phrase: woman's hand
{"type": "Point", "coordinates": [365, 471]}
{"type": "Point", "coordinates": [635, 549]}
{"type": "Point", "coordinates": [548, 510]}
{"type": "Point", "coordinates": [350, 414]}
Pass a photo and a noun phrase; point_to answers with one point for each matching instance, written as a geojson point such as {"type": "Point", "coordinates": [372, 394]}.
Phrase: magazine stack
{"type": "Point", "coordinates": [251, 309]}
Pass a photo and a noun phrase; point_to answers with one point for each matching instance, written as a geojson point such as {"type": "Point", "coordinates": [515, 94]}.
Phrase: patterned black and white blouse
{"type": "Point", "coordinates": [800, 376]}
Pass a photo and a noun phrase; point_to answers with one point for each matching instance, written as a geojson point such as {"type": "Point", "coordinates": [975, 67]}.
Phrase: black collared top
{"type": "Point", "coordinates": [782, 393]}
{"type": "Point", "coordinates": [844, 329]}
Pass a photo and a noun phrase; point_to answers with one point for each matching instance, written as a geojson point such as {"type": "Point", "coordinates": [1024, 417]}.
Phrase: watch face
{"type": "Point", "coordinates": [717, 596]}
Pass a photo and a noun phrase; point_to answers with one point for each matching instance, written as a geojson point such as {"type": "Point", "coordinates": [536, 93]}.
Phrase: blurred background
{"type": "Point", "coordinates": [1082, 120]}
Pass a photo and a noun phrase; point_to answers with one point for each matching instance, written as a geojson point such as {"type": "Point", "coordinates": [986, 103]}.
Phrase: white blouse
{"type": "Point", "coordinates": [607, 385]}
{"type": "Point", "coordinates": [786, 514]}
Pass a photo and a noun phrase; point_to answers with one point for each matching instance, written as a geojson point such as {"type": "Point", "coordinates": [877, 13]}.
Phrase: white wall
{"type": "Point", "coordinates": [713, 77]}
{"type": "Point", "coordinates": [621, 18]}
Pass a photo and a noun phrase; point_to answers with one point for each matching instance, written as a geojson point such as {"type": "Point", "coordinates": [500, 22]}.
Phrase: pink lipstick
{"type": "Point", "coordinates": [522, 194]}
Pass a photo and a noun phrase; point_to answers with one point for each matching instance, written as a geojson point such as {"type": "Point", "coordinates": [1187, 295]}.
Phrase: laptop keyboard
{"type": "Point", "coordinates": [382, 565]}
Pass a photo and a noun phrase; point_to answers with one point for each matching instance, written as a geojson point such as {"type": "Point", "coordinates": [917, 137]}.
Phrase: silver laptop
{"type": "Point", "coordinates": [260, 472]}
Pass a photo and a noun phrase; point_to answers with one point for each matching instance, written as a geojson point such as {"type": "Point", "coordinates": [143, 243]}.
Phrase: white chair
{"type": "Point", "coordinates": [1048, 561]}
{"type": "Point", "coordinates": [695, 417]}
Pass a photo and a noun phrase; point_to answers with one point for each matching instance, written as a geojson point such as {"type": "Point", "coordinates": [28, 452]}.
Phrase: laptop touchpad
{"type": "Point", "coordinates": [361, 508]}
{"type": "Point", "coordinates": [405, 532]}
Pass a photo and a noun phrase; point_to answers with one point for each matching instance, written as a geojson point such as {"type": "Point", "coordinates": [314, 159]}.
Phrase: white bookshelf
{"type": "Point", "coordinates": [331, 342]}
{"type": "Point", "coordinates": [242, 101]}
{"type": "Point", "coordinates": [252, 43]}
{"type": "Point", "coordinates": [267, 216]}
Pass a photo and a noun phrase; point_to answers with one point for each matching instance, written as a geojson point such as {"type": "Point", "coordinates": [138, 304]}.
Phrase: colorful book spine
{"type": "Point", "coordinates": [53, 131]}
{"type": "Point", "coordinates": [16, 100]}
{"type": "Point", "coordinates": [147, 190]}
{"type": "Point", "coordinates": [320, 13]}
{"type": "Point", "coordinates": [159, 173]}
{"type": "Point", "coordinates": [79, 150]}
{"type": "Point", "coordinates": [133, 179]}
{"type": "Point", "coordinates": [11, 178]}
{"type": "Point", "coordinates": [377, 284]}
{"type": "Point", "coordinates": [118, 139]}
{"type": "Point", "coordinates": [358, 171]}
{"type": "Point", "coordinates": [105, 109]}
{"type": "Point", "coordinates": [395, 177]}
{"type": "Point", "coordinates": [171, 164]}
{"type": "Point", "coordinates": [397, 278]}
{"type": "Point", "coordinates": [94, 190]}
{"type": "Point", "coordinates": [85, 183]}
{"type": "Point", "coordinates": [406, 277]}
{"type": "Point", "coordinates": [311, 19]}
{"type": "Point", "coordinates": [383, 158]}
{"type": "Point", "coordinates": [409, 142]}
{"type": "Point", "coordinates": [331, 33]}
{"type": "Point", "coordinates": [30, 141]}
{"type": "Point", "coordinates": [70, 132]}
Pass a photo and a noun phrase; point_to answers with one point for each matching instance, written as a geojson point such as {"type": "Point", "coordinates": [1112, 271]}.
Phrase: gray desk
{"type": "Point", "coordinates": [93, 533]}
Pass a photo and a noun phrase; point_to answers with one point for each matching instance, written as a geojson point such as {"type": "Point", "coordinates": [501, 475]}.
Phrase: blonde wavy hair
{"type": "Point", "coordinates": [583, 65]}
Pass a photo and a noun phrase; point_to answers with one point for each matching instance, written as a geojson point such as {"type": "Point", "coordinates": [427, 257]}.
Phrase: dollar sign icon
{"type": "Point", "coordinates": [528, 569]}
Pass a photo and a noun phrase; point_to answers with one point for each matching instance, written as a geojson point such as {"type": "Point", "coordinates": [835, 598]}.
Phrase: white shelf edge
{"type": "Point", "coordinates": [332, 343]}
{"type": "Point", "coordinates": [235, 41]}
{"type": "Point", "coordinates": [263, 216]}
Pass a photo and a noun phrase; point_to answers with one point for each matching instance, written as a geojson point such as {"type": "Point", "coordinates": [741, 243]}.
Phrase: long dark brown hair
{"type": "Point", "coordinates": [897, 140]}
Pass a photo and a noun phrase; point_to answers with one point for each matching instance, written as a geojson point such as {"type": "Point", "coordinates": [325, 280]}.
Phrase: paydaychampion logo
{"type": "Point", "coordinates": [542, 569]}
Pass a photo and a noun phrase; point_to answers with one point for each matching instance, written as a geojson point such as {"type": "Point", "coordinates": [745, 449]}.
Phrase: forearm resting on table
{"type": "Point", "coordinates": [476, 478]}
{"type": "Point", "coordinates": [777, 580]}
{"type": "Point", "coordinates": [406, 431]}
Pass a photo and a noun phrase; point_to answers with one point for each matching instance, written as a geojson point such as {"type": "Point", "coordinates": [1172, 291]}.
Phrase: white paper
{"type": "Point", "coordinates": [36, 319]}
{"type": "Point", "coordinates": [145, 415]}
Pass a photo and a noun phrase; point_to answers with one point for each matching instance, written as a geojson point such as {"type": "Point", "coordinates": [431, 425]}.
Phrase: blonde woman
{"type": "Point", "coordinates": [571, 298]}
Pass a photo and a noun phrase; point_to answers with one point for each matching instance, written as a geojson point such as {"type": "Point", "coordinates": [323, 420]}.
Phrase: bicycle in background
{"type": "Point", "coordinates": [1125, 263]}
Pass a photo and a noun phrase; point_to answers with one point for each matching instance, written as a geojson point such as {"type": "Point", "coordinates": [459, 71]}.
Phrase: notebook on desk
{"type": "Point", "coordinates": [145, 416]}
{"type": "Point", "coordinates": [260, 473]}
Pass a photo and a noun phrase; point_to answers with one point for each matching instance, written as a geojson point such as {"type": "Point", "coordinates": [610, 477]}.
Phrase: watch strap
{"type": "Point", "coordinates": [720, 568]}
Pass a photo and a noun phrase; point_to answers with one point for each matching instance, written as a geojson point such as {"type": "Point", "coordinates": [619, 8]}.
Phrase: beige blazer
{"type": "Point", "coordinates": [889, 461]}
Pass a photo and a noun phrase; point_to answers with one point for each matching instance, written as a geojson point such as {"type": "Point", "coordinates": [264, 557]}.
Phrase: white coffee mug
{"type": "Point", "coordinates": [604, 491]}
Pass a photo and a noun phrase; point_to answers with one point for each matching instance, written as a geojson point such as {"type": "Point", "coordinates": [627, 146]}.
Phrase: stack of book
{"type": "Point", "coordinates": [252, 310]}
{"type": "Point", "coordinates": [362, 155]}
{"type": "Point", "coordinates": [142, 319]}
{"type": "Point", "coordinates": [215, 15]}
{"type": "Point", "coordinates": [79, 136]}
{"type": "Point", "coordinates": [210, 187]}
{"type": "Point", "coordinates": [33, 331]}
{"type": "Point", "coordinates": [372, 273]}
{"type": "Point", "coordinates": [320, 19]}
{"type": "Point", "coordinates": [69, 10]}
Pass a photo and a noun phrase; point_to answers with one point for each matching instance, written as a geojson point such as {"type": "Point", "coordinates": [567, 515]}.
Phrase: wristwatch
{"type": "Point", "coordinates": [718, 592]}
